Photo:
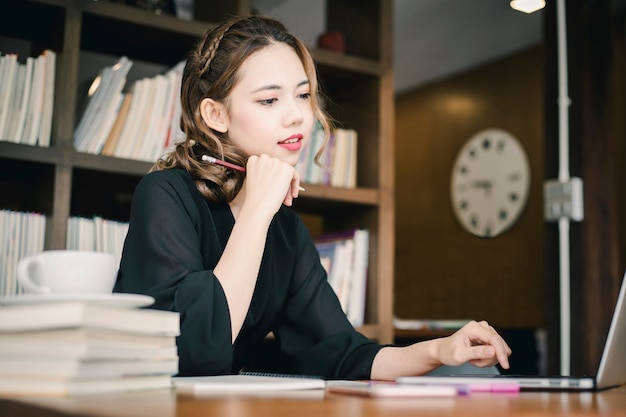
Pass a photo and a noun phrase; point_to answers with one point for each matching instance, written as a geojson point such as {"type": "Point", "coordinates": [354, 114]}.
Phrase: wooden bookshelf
{"type": "Point", "coordinates": [60, 182]}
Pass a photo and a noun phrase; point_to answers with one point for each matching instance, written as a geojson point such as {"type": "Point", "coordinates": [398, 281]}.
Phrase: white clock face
{"type": "Point", "coordinates": [490, 183]}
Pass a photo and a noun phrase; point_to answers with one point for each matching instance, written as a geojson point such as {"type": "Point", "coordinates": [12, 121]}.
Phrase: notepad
{"type": "Point", "coordinates": [241, 383]}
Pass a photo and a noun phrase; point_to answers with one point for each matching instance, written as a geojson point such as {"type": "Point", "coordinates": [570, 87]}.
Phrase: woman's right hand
{"type": "Point", "coordinates": [270, 182]}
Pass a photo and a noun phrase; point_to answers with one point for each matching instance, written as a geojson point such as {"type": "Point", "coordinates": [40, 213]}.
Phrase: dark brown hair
{"type": "Point", "coordinates": [211, 71]}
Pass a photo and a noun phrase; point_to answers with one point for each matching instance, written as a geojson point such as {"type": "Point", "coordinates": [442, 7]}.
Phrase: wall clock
{"type": "Point", "coordinates": [490, 183]}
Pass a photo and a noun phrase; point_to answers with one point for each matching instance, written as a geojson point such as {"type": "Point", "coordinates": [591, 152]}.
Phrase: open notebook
{"type": "Point", "coordinates": [246, 383]}
{"type": "Point", "coordinates": [611, 371]}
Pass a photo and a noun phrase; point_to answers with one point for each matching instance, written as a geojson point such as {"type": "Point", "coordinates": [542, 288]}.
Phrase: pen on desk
{"type": "Point", "coordinates": [223, 163]}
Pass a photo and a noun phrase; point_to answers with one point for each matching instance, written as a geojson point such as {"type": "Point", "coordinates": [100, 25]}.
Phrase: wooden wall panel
{"type": "Point", "coordinates": [443, 272]}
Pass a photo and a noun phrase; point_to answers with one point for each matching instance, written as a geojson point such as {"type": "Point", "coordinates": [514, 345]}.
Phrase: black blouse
{"type": "Point", "coordinates": [174, 241]}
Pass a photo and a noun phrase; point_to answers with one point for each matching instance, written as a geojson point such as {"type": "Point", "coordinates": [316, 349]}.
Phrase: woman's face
{"type": "Point", "coordinates": [270, 107]}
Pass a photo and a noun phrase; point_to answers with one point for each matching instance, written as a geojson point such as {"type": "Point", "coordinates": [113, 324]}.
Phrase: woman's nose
{"type": "Point", "coordinates": [295, 113]}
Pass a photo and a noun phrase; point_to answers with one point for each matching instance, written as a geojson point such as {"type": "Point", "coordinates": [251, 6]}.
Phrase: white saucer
{"type": "Point", "coordinates": [115, 299]}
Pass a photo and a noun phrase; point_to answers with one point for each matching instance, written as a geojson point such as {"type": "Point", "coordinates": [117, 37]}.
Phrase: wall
{"type": "Point", "coordinates": [443, 272]}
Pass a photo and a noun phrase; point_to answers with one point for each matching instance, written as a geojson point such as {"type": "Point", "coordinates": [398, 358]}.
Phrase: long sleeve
{"type": "Point", "coordinates": [315, 333]}
{"type": "Point", "coordinates": [174, 241]}
{"type": "Point", "coordinates": [168, 253]}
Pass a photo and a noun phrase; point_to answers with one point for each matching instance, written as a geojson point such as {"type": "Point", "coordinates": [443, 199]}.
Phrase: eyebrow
{"type": "Point", "coordinates": [278, 87]}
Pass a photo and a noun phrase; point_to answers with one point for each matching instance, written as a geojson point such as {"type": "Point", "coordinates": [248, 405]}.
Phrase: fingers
{"type": "Point", "coordinates": [487, 347]}
{"type": "Point", "coordinates": [271, 176]}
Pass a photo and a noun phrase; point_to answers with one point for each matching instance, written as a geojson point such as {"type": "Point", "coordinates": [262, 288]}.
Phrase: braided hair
{"type": "Point", "coordinates": [211, 71]}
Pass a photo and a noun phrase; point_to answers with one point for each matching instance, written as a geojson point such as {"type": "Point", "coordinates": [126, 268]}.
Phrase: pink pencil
{"type": "Point", "coordinates": [216, 161]}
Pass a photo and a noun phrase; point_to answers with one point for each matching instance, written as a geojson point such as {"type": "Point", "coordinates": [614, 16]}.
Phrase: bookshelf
{"type": "Point", "coordinates": [60, 182]}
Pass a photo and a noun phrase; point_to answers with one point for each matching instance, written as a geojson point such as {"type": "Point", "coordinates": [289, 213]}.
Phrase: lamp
{"type": "Point", "coordinates": [528, 6]}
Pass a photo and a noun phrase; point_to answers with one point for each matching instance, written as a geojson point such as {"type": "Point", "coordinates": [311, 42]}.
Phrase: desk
{"type": "Point", "coordinates": [169, 404]}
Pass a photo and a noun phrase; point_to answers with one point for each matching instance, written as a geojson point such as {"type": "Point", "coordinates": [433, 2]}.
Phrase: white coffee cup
{"type": "Point", "coordinates": [67, 272]}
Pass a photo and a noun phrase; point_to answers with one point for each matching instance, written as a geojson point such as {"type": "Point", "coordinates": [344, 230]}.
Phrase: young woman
{"type": "Point", "coordinates": [223, 248]}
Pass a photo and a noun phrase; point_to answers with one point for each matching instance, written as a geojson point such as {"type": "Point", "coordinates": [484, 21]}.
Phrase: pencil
{"type": "Point", "coordinates": [223, 163]}
{"type": "Point", "coordinates": [216, 161]}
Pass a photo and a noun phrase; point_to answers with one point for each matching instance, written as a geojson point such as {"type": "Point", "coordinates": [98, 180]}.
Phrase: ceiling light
{"type": "Point", "coordinates": [528, 6]}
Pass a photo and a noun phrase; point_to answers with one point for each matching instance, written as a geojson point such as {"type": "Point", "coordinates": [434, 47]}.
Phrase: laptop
{"type": "Point", "coordinates": [611, 371]}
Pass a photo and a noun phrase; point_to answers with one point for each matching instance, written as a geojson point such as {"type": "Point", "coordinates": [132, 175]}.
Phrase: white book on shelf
{"type": "Point", "coordinates": [86, 235]}
{"type": "Point", "coordinates": [313, 171]}
{"type": "Point", "coordinates": [48, 99]}
{"type": "Point", "coordinates": [15, 223]}
{"type": "Point", "coordinates": [360, 260]}
{"type": "Point", "coordinates": [71, 230]}
{"type": "Point", "coordinates": [174, 133]}
{"type": "Point", "coordinates": [339, 158]}
{"type": "Point", "coordinates": [7, 84]}
{"type": "Point", "coordinates": [88, 115]}
{"type": "Point", "coordinates": [132, 125]}
{"type": "Point", "coordinates": [167, 110]}
{"type": "Point", "coordinates": [349, 266]}
{"type": "Point", "coordinates": [143, 120]}
{"type": "Point", "coordinates": [35, 103]}
{"type": "Point", "coordinates": [98, 234]}
{"type": "Point", "coordinates": [35, 233]}
{"type": "Point", "coordinates": [326, 160]}
{"type": "Point", "coordinates": [95, 118]}
{"type": "Point", "coordinates": [301, 165]}
{"type": "Point", "coordinates": [19, 104]}
{"type": "Point", "coordinates": [120, 119]}
{"type": "Point", "coordinates": [152, 130]}
{"type": "Point", "coordinates": [107, 119]}
{"type": "Point", "coordinates": [4, 244]}
{"type": "Point", "coordinates": [339, 278]}
{"type": "Point", "coordinates": [351, 159]}
{"type": "Point", "coordinates": [345, 280]}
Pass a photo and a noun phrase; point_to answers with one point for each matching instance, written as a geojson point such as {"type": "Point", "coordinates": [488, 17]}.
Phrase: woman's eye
{"type": "Point", "coordinates": [268, 101]}
{"type": "Point", "coordinates": [304, 96]}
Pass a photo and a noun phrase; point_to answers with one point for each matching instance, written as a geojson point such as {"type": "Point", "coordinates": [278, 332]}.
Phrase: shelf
{"type": "Point", "coordinates": [31, 153]}
{"type": "Point", "coordinates": [62, 183]}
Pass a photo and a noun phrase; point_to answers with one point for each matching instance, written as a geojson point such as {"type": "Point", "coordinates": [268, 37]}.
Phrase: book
{"type": "Point", "coordinates": [140, 91]}
{"type": "Point", "coordinates": [358, 286]}
{"type": "Point", "coordinates": [111, 140]}
{"type": "Point", "coordinates": [20, 102]}
{"type": "Point", "coordinates": [23, 236]}
{"type": "Point", "coordinates": [104, 101]}
{"type": "Point", "coordinates": [48, 98]}
{"type": "Point", "coordinates": [35, 103]}
{"type": "Point", "coordinates": [343, 165]}
{"type": "Point", "coordinates": [243, 383]}
{"type": "Point", "coordinates": [86, 343]}
{"type": "Point", "coordinates": [346, 254]}
{"type": "Point", "coordinates": [29, 317]}
{"type": "Point", "coordinates": [80, 369]}
{"type": "Point", "coordinates": [8, 82]}
{"type": "Point", "coordinates": [15, 386]}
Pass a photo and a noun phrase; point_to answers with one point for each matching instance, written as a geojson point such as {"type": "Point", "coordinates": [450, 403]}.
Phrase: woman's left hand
{"type": "Point", "coordinates": [477, 343]}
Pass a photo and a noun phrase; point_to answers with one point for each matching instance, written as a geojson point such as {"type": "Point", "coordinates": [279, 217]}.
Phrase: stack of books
{"type": "Point", "coordinates": [21, 234]}
{"type": "Point", "coordinates": [71, 348]}
{"type": "Point", "coordinates": [140, 122]}
{"type": "Point", "coordinates": [345, 257]}
{"type": "Point", "coordinates": [338, 161]}
{"type": "Point", "coordinates": [27, 98]}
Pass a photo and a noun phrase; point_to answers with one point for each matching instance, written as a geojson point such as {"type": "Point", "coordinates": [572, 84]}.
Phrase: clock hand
{"type": "Point", "coordinates": [484, 184]}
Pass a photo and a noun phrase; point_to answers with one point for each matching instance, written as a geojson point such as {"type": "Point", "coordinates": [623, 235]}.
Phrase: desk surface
{"type": "Point", "coordinates": [169, 404]}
